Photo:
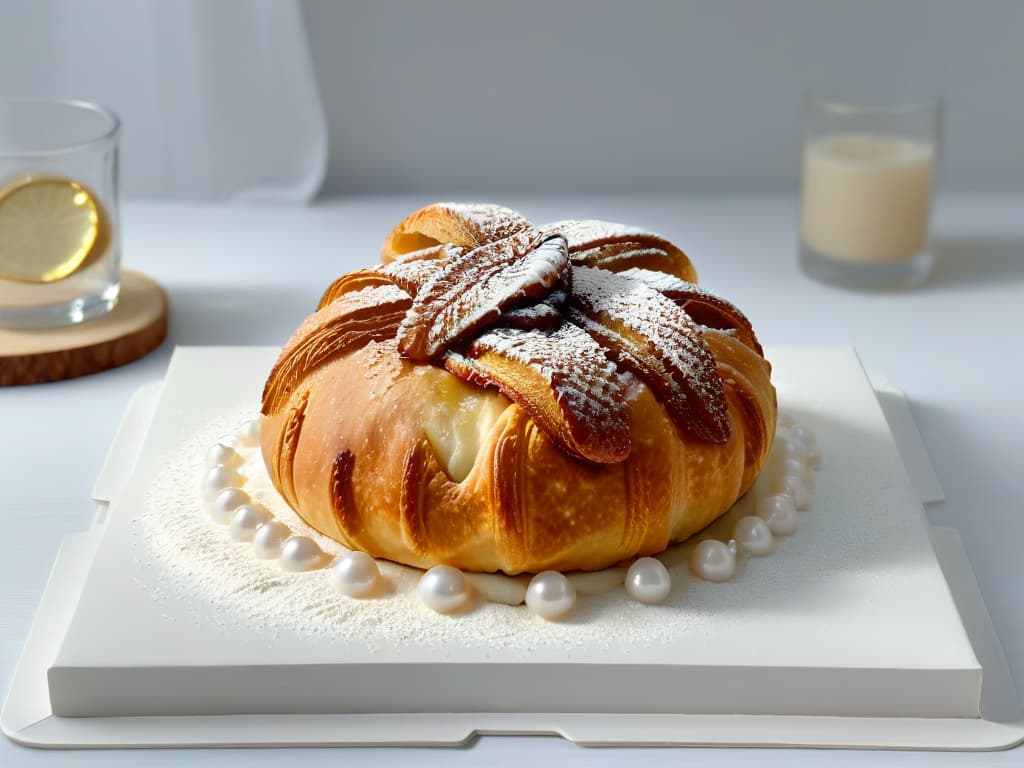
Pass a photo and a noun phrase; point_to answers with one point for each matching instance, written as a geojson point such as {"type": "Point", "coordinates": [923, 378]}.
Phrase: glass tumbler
{"type": "Point", "coordinates": [867, 184]}
{"type": "Point", "coordinates": [60, 247]}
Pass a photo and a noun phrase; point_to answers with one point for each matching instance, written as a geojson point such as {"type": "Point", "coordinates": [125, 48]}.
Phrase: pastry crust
{"type": "Point", "coordinates": [402, 459]}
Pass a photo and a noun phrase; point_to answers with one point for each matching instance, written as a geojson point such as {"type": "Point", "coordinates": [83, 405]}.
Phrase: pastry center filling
{"type": "Point", "coordinates": [457, 419]}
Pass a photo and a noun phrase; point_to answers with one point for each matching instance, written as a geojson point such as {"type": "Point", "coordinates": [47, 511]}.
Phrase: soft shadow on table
{"type": "Point", "coordinates": [204, 316]}
{"type": "Point", "coordinates": [978, 262]}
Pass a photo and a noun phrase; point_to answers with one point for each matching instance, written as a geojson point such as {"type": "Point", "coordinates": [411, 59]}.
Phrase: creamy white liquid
{"type": "Point", "coordinates": [867, 198]}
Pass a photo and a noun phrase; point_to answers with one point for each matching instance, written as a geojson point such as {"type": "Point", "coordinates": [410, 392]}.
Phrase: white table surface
{"type": "Point", "coordinates": [248, 276]}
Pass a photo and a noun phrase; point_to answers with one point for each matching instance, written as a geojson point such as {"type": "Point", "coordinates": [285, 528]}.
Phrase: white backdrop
{"type": "Point", "coordinates": [452, 97]}
{"type": "Point", "coordinates": [218, 99]}
{"type": "Point", "coordinates": [221, 99]}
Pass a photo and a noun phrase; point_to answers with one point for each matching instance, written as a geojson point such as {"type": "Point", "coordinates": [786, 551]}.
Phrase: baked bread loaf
{"type": "Point", "coordinates": [501, 397]}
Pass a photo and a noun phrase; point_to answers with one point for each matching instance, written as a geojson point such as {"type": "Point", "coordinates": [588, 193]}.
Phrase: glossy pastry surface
{"type": "Point", "coordinates": [497, 396]}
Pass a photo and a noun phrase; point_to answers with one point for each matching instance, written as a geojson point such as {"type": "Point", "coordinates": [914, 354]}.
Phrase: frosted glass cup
{"type": "Point", "coordinates": [60, 245]}
{"type": "Point", "coordinates": [867, 184]}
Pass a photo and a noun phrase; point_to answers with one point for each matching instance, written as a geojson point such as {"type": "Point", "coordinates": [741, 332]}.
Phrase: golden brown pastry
{"type": "Point", "coordinates": [497, 396]}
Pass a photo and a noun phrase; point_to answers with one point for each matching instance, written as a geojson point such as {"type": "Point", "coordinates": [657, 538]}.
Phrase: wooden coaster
{"type": "Point", "coordinates": [133, 328]}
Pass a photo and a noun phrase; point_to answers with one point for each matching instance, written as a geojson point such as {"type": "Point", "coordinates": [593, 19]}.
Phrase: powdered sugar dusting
{"type": "Point", "coordinates": [620, 254]}
{"type": "Point", "coordinates": [191, 556]}
{"type": "Point", "coordinates": [531, 275]}
{"type": "Point", "coordinates": [586, 384]}
{"type": "Point", "coordinates": [613, 246]}
{"type": "Point", "coordinates": [664, 282]}
{"type": "Point", "coordinates": [542, 316]}
{"type": "Point", "coordinates": [705, 307]}
{"type": "Point", "coordinates": [669, 344]}
{"type": "Point", "coordinates": [505, 273]}
{"type": "Point", "coordinates": [588, 233]}
{"type": "Point", "coordinates": [486, 222]}
{"type": "Point", "coordinates": [469, 292]}
{"type": "Point", "coordinates": [410, 275]}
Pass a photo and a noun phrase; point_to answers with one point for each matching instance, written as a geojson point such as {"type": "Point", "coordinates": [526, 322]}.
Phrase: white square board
{"type": "Point", "coordinates": [851, 617]}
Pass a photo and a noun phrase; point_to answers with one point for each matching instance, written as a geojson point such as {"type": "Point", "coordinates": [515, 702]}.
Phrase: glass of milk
{"type": "Point", "coordinates": [867, 184]}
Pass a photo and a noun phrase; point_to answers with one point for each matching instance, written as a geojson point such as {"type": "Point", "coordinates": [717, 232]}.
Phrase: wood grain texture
{"type": "Point", "coordinates": [132, 329]}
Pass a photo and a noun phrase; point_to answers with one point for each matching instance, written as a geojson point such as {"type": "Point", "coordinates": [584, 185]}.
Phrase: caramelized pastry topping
{"type": "Point", "coordinates": [540, 317]}
{"type": "Point", "coordinates": [469, 225]}
{"type": "Point", "coordinates": [352, 282]}
{"type": "Point", "coordinates": [703, 307]}
{"type": "Point", "coordinates": [409, 273]}
{"type": "Point", "coordinates": [655, 339]}
{"type": "Point", "coordinates": [570, 388]}
{"type": "Point", "coordinates": [617, 247]}
{"type": "Point", "coordinates": [412, 275]}
{"type": "Point", "coordinates": [471, 290]}
{"type": "Point", "coordinates": [371, 314]}
{"type": "Point", "coordinates": [559, 319]}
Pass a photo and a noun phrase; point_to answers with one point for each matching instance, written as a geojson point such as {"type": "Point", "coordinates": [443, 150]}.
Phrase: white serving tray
{"type": "Point", "coordinates": [27, 716]}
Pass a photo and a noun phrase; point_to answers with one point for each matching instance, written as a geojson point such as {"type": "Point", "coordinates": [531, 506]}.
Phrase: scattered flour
{"type": "Point", "coordinates": [192, 556]}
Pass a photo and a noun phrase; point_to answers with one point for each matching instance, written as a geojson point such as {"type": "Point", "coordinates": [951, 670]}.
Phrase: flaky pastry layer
{"type": "Point", "coordinates": [465, 456]}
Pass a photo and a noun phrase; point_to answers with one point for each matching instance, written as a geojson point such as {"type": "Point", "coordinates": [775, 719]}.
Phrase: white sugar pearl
{"type": "Point", "coordinates": [794, 487]}
{"type": "Point", "coordinates": [443, 589]}
{"type": "Point", "coordinates": [218, 478]}
{"type": "Point", "coordinates": [753, 536]}
{"type": "Point", "coordinates": [269, 538]}
{"type": "Point", "coordinates": [224, 455]}
{"type": "Point", "coordinates": [249, 434]}
{"type": "Point", "coordinates": [712, 561]}
{"type": "Point", "coordinates": [800, 469]}
{"type": "Point", "coordinates": [648, 580]}
{"type": "Point", "coordinates": [805, 435]}
{"type": "Point", "coordinates": [812, 455]}
{"type": "Point", "coordinates": [789, 448]}
{"type": "Point", "coordinates": [356, 574]}
{"type": "Point", "coordinates": [246, 519]}
{"type": "Point", "coordinates": [550, 595]}
{"type": "Point", "coordinates": [300, 553]}
{"type": "Point", "coordinates": [223, 507]}
{"type": "Point", "coordinates": [779, 512]}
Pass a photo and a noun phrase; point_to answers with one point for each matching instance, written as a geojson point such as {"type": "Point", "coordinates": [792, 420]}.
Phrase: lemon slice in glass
{"type": "Point", "coordinates": [49, 229]}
